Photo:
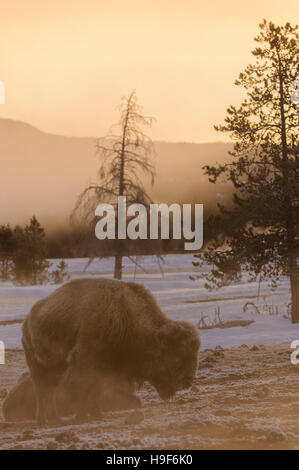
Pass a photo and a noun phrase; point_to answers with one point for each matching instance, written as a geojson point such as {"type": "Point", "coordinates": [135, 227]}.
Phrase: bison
{"type": "Point", "coordinates": [96, 333]}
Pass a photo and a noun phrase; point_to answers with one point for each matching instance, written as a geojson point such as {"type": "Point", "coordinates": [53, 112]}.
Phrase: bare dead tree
{"type": "Point", "coordinates": [126, 154]}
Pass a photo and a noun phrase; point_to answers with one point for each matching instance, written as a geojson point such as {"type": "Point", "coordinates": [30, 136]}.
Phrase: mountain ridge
{"type": "Point", "coordinates": [43, 173]}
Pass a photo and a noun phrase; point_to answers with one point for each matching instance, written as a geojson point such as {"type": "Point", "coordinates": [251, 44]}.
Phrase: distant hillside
{"type": "Point", "coordinates": [42, 173]}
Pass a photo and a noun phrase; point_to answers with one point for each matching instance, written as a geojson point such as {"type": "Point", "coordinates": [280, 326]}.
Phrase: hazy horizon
{"type": "Point", "coordinates": [57, 134]}
{"type": "Point", "coordinates": [44, 173]}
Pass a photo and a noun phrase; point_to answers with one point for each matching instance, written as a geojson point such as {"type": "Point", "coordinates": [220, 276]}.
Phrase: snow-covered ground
{"type": "Point", "coordinates": [178, 296]}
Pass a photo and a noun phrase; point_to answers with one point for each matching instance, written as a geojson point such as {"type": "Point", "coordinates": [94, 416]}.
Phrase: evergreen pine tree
{"type": "Point", "coordinates": [260, 232]}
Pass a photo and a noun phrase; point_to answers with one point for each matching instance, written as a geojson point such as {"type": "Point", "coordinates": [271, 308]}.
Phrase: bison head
{"type": "Point", "coordinates": [176, 363]}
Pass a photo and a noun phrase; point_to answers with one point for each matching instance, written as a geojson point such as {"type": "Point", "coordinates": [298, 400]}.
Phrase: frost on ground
{"type": "Point", "coordinates": [243, 398]}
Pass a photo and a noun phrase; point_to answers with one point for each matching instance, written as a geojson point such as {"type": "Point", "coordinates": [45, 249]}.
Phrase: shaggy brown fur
{"type": "Point", "coordinates": [101, 332]}
{"type": "Point", "coordinates": [20, 402]}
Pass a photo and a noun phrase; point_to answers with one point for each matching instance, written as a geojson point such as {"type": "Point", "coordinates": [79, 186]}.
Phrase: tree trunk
{"type": "Point", "coordinates": [118, 266]}
{"type": "Point", "coordinates": [118, 256]}
{"type": "Point", "coordinates": [294, 281]}
{"type": "Point", "coordinates": [288, 203]}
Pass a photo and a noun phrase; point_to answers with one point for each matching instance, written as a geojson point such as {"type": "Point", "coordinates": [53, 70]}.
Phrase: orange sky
{"type": "Point", "coordinates": [66, 63]}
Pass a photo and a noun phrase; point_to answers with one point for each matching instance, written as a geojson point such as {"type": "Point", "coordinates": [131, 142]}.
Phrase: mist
{"type": "Point", "coordinates": [42, 174]}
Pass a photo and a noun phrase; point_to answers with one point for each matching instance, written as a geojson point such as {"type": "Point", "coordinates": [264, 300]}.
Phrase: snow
{"type": "Point", "coordinates": [179, 297]}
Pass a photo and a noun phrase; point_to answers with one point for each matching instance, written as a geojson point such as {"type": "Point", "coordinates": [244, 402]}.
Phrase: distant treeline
{"type": "Point", "coordinates": [23, 256]}
{"type": "Point", "coordinates": [25, 251]}
{"type": "Point", "coordinates": [75, 243]}
{"type": "Point", "coordinates": [81, 242]}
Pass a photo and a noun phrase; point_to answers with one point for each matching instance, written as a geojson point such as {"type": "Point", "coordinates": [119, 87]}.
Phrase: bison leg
{"type": "Point", "coordinates": [119, 393]}
{"type": "Point", "coordinates": [90, 391]}
{"type": "Point", "coordinates": [41, 395]}
{"type": "Point", "coordinates": [45, 391]}
{"type": "Point", "coordinates": [51, 411]}
{"type": "Point", "coordinates": [83, 385]}
{"type": "Point", "coordinates": [120, 400]}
